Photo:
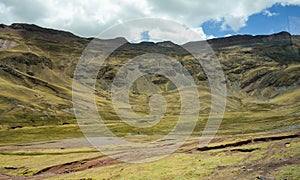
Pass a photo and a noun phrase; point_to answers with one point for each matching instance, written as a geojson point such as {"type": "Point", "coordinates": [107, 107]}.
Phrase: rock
{"type": "Point", "coordinates": [15, 127]}
{"type": "Point", "coordinates": [287, 145]}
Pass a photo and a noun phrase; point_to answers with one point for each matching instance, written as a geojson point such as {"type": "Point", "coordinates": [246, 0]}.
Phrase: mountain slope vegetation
{"type": "Point", "coordinates": [37, 66]}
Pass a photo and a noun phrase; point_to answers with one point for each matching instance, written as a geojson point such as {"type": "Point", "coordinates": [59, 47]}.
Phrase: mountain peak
{"type": "Point", "coordinates": [167, 44]}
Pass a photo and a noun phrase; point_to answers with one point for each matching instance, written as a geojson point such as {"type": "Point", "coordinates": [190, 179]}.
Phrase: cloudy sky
{"type": "Point", "coordinates": [208, 18]}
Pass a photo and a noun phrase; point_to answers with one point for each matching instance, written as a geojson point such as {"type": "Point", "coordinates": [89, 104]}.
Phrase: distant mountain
{"type": "Point", "coordinates": [37, 66]}
{"type": "Point", "coordinates": [247, 39]}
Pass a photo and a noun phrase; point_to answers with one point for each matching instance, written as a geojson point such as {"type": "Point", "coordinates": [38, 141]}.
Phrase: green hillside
{"type": "Point", "coordinates": [40, 137]}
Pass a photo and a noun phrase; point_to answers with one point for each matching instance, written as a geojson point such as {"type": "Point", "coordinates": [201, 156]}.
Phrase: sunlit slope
{"type": "Point", "coordinates": [37, 65]}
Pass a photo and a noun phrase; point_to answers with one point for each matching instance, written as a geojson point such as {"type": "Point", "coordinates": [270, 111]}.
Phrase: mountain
{"type": "Point", "coordinates": [37, 66]}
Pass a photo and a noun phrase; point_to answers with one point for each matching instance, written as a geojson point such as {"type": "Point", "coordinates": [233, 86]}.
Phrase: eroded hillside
{"type": "Point", "coordinates": [37, 65]}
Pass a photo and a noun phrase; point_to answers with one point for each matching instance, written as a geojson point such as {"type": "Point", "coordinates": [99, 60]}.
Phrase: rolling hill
{"type": "Point", "coordinates": [37, 66]}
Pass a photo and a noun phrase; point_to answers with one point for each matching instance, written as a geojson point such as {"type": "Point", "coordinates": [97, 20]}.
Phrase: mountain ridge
{"type": "Point", "coordinates": [234, 39]}
{"type": "Point", "coordinates": [36, 73]}
{"type": "Point", "coordinates": [244, 39]}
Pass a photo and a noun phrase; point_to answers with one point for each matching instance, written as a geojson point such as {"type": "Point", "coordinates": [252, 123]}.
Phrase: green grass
{"type": "Point", "coordinates": [289, 172]}
{"type": "Point", "coordinates": [176, 166]}
{"type": "Point", "coordinates": [29, 162]}
{"type": "Point", "coordinates": [36, 105]}
{"type": "Point", "coordinates": [215, 164]}
{"type": "Point", "coordinates": [35, 134]}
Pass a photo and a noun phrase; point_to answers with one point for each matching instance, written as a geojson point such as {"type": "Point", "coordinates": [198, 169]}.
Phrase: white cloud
{"type": "Point", "coordinates": [268, 13]}
{"type": "Point", "coordinates": [200, 32]}
{"type": "Point", "coordinates": [210, 37]}
{"type": "Point", "coordinates": [158, 30]}
{"type": "Point", "coordinates": [234, 22]}
{"type": "Point", "coordinates": [228, 35]}
{"type": "Point", "coordinates": [88, 18]}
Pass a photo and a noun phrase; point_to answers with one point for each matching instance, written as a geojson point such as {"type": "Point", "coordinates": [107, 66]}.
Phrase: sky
{"type": "Point", "coordinates": [207, 18]}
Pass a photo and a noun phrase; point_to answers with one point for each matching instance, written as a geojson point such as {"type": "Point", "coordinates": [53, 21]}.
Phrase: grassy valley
{"type": "Point", "coordinates": [38, 122]}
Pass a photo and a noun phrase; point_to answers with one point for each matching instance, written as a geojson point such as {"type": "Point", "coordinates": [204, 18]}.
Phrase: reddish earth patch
{"type": "Point", "coordinates": [78, 165]}
{"type": "Point", "coordinates": [5, 176]}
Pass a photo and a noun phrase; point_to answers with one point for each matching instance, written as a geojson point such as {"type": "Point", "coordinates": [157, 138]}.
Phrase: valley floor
{"type": "Point", "coordinates": [261, 155]}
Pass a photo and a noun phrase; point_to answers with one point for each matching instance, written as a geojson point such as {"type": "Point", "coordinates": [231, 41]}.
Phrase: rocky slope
{"type": "Point", "coordinates": [37, 65]}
